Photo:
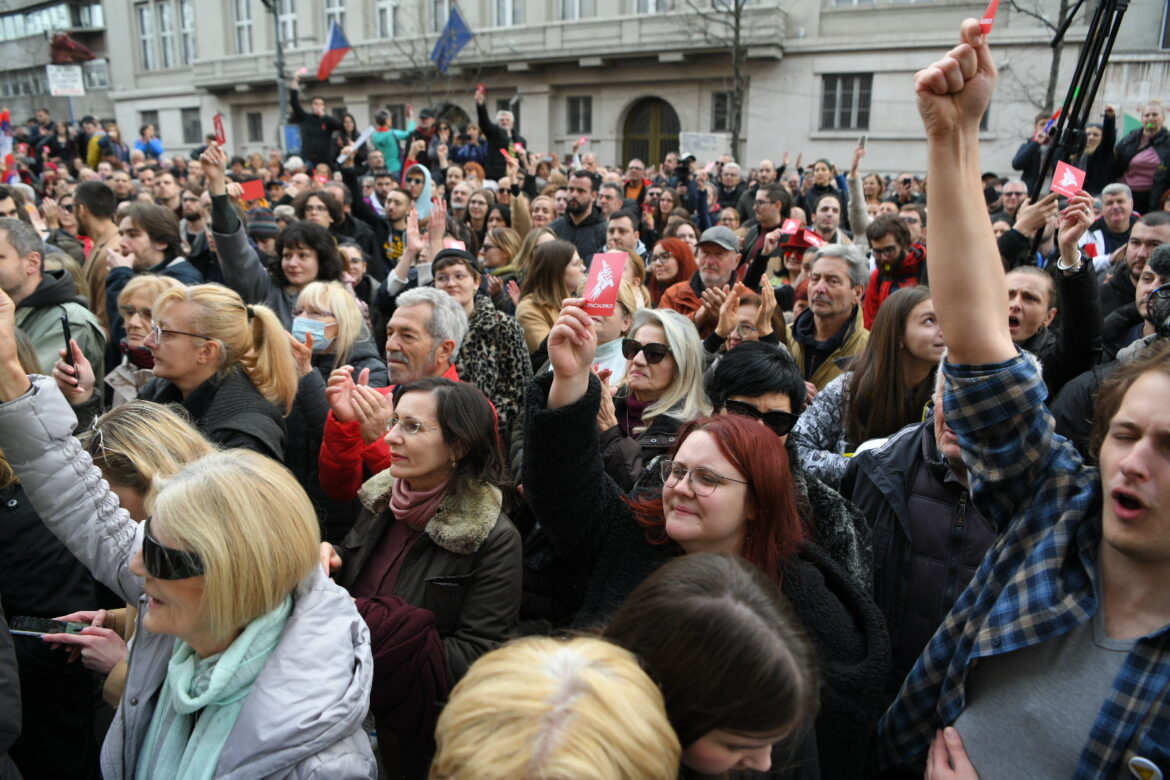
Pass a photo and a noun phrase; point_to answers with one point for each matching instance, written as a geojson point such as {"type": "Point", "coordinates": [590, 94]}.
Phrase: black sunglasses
{"type": "Point", "coordinates": [167, 563]}
{"type": "Point", "coordinates": [779, 422]}
{"type": "Point", "coordinates": [655, 353]}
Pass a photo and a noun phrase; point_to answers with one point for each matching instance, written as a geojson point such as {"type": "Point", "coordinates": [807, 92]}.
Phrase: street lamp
{"type": "Point", "coordinates": [281, 88]}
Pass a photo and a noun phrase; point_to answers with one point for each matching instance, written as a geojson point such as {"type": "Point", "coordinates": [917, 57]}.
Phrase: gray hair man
{"type": "Point", "coordinates": [830, 328]}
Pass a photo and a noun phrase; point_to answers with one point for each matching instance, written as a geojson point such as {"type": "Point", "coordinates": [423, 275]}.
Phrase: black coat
{"type": "Point", "coordinates": [316, 132]}
{"type": "Point", "coordinates": [9, 702]}
{"type": "Point", "coordinates": [588, 236]}
{"type": "Point", "coordinates": [593, 530]}
{"type": "Point", "coordinates": [229, 411]}
{"type": "Point", "coordinates": [1077, 345]}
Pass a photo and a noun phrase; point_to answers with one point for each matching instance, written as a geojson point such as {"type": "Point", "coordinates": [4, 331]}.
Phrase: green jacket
{"type": "Point", "coordinates": [39, 316]}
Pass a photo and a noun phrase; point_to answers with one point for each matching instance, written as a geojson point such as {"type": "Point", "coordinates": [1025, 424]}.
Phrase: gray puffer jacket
{"type": "Point", "coordinates": [303, 717]}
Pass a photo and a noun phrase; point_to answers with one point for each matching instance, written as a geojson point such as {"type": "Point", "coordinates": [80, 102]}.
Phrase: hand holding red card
{"type": "Point", "coordinates": [812, 239]}
{"type": "Point", "coordinates": [220, 136]}
{"type": "Point", "coordinates": [790, 227]}
{"type": "Point", "coordinates": [1068, 180]}
{"type": "Point", "coordinates": [605, 277]}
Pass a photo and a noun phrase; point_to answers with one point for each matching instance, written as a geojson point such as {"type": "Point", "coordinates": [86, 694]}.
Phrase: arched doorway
{"type": "Point", "coordinates": [651, 130]}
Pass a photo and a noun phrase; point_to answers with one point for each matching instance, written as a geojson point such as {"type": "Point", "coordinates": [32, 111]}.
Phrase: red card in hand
{"type": "Point", "coordinates": [217, 121]}
{"type": "Point", "coordinates": [605, 277]}
{"type": "Point", "coordinates": [504, 151]}
{"type": "Point", "coordinates": [480, 88]}
{"type": "Point", "coordinates": [812, 239]}
{"type": "Point", "coordinates": [582, 141]}
{"type": "Point", "coordinates": [988, 17]}
{"type": "Point", "coordinates": [253, 189]}
{"type": "Point", "coordinates": [790, 227]}
{"type": "Point", "coordinates": [1090, 249]}
{"type": "Point", "coordinates": [1068, 180]}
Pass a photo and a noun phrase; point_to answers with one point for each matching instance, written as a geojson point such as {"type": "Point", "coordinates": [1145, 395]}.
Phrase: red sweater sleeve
{"type": "Point", "coordinates": [345, 459]}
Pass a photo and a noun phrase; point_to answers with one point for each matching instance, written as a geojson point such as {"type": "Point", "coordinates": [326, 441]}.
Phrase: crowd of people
{"type": "Point", "coordinates": [327, 471]}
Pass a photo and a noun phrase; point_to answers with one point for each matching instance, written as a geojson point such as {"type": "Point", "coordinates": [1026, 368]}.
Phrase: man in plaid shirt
{"type": "Point", "coordinates": [1082, 568]}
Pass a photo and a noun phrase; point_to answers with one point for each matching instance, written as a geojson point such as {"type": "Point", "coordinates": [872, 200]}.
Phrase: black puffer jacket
{"type": "Point", "coordinates": [928, 538]}
{"type": "Point", "coordinates": [9, 702]}
{"type": "Point", "coordinates": [593, 530]}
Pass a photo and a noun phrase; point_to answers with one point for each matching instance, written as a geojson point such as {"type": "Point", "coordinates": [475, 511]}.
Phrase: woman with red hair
{"type": "Point", "coordinates": [671, 261]}
{"type": "Point", "coordinates": [725, 486]}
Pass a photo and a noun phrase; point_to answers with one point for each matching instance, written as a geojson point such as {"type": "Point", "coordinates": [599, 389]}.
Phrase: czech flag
{"type": "Point", "coordinates": [336, 47]}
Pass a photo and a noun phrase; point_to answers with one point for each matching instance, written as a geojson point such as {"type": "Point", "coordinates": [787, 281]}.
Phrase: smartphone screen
{"type": "Point", "coordinates": [34, 626]}
{"type": "Point", "coordinates": [68, 338]}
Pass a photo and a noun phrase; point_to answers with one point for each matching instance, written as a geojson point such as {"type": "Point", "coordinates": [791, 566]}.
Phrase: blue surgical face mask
{"type": "Point", "coordinates": [303, 325]}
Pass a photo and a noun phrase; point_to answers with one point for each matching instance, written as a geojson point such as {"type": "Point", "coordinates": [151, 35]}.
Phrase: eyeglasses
{"type": "Point", "coordinates": [128, 312]}
{"type": "Point", "coordinates": [885, 250]}
{"type": "Point", "coordinates": [779, 422]}
{"type": "Point", "coordinates": [702, 480]}
{"type": "Point", "coordinates": [157, 332]}
{"type": "Point", "coordinates": [664, 258]}
{"type": "Point", "coordinates": [655, 353]}
{"type": "Point", "coordinates": [316, 314]}
{"type": "Point", "coordinates": [1014, 194]}
{"type": "Point", "coordinates": [66, 207]}
{"type": "Point", "coordinates": [167, 563]}
{"type": "Point", "coordinates": [409, 427]}
{"type": "Point", "coordinates": [746, 329]}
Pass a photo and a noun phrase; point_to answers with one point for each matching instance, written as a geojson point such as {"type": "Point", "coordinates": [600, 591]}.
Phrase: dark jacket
{"type": "Point", "coordinates": [1118, 331]}
{"type": "Point", "coordinates": [356, 230]}
{"type": "Point", "coordinates": [928, 538]}
{"type": "Point", "coordinates": [1077, 345]}
{"type": "Point", "coordinates": [588, 236]}
{"type": "Point", "coordinates": [1118, 289]}
{"type": "Point", "coordinates": [316, 132]}
{"type": "Point", "coordinates": [464, 569]}
{"type": "Point", "coordinates": [41, 578]}
{"type": "Point", "coordinates": [1027, 161]}
{"type": "Point", "coordinates": [495, 167]}
{"type": "Point", "coordinates": [1098, 166]}
{"type": "Point", "coordinates": [625, 456]}
{"type": "Point", "coordinates": [1128, 148]}
{"type": "Point", "coordinates": [229, 411]}
{"type": "Point", "coordinates": [593, 530]}
{"type": "Point", "coordinates": [9, 702]}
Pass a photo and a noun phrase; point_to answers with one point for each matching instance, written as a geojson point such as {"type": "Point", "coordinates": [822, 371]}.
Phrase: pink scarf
{"type": "Point", "coordinates": [416, 507]}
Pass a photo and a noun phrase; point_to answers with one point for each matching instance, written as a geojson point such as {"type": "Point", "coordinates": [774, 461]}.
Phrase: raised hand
{"type": "Point", "coordinates": [1074, 221]}
{"type": "Point", "coordinates": [513, 292]}
{"type": "Point", "coordinates": [77, 385]}
{"type": "Point", "coordinates": [302, 354]}
{"type": "Point", "coordinates": [729, 310]}
{"type": "Point", "coordinates": [606, 413]}
{"type": "Point", "coordinates": [1030, 216]}
{"type": "Point", "coordinates": [954, 92]}
{"type": "Point", "coordinates": [339, 394]}
{"type": "Point", "coordinates": [572, 344]}
{"type": "Point", "coordinates": [771, 241]}
{"type": "Point", "coordinates": [372, 410]}
{"type": "Point", "coordinates": [115, 259]}
{"type": "Point", "coordinates": [767, 309]}
{"type": "Point", "coordinates": [214, 162]}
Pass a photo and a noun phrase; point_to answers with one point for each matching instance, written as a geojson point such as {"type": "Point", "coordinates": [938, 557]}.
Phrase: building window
{"type": "Point", "coordinates": [580, 114]}
{"type": "Point", "coordinates": [576, 9]}
{"type": "Point", "coordinates": [97, 74]}
{"type": "Point", "coordinates": [653, 6]}
{"type": "Point", "coordinates": [148, 118]}
{"type": "Point", "coordinates": [387, 18]}
{"type": "Point", "coordinates": [192, 126]}
{"type": "Point", "coordinates": [397, 114]}
{"type": "Point", "coordinates": [243, 15]}
{"type": "Point", "coordinates": [506, 104]}
{"type": "Point", "coordinates": [90, 15]}
{"type": "Point", "coordinates": [146, 35]}
{"type": "Point", "coordinates": [287, 14]}
{"type": "Point", "coordinates": [1166, 27]}
{"type": "Point", "coordinates": [845, 103]}
{"type": "Point", "coordinates": [187, 29]}
{"type": "Point", "coordinates": [255, 122]}
{"type": "Point", "coordinates": [440, 10]}
{"type": "Point", "coordinates": [721, 112]}
{"type": "Point", "coordinates": [335, 12]}
{"type": "Point", "coordinates": [509, 13]}
{"type": "Point", "coordinates": [166, 32]}
{"type": "Point", "coordinates": [844, 3]}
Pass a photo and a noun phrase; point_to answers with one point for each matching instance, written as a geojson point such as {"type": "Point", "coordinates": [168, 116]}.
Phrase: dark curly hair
{"type": "Point", "coordinates": [309, 235]}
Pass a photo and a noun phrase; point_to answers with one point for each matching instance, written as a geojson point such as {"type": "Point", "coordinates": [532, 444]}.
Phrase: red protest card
{"type": "Point", "coordinates": [582, 141]}
{"type": "Point", "coordinates": [253, 189]}
{"type": "Point", "coordinates": [480, 88]}
{"type": "Point", "coordinates": [790, 227]}
{"type": "Point", "coordinates": [812, 239]}
{"type": "Point", "coordinates": [605, 276]}
{"type": "Point", "coordinates": [1090, 249]}
{"type": "Point", "coordinates": [988, 18]}
{"type": "Point", "coordinates": [504, 151]}
{"type": "Point", "coordinates": [1068, 180]}
{"type": "Point", "coordinates": [217, 121]}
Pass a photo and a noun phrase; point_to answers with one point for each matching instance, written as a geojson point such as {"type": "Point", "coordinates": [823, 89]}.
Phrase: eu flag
{"type": "Point", "coordinates": [454, 37]}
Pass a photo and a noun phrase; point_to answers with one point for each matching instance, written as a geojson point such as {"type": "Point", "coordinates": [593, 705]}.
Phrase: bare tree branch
{"type": "Point", "coordinates": [1033, 14]}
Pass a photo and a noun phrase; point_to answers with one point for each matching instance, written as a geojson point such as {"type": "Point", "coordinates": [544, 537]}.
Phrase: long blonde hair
{"type": "Point", "coordinates": [351, 326]}
{"type": "Point", "coordinates": [250, 522]}
{"type": "Point", "coordinates": [249, 336]}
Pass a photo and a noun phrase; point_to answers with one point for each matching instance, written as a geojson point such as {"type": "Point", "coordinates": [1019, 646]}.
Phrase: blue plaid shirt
{"type": "Point", "coordinates": [1038, 582]}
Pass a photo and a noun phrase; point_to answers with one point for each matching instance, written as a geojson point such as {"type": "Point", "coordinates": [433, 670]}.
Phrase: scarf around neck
{"type": "Point", "coordinates": [416, 507]}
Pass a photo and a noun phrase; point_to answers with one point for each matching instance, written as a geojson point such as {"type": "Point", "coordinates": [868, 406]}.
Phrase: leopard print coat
{"type": "Point", "coordinates": [494, 358]}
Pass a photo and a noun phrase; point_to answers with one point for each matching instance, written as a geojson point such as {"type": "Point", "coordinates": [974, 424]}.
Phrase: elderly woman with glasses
{"type": "Point", "coordinates": [433, 562]}
{"type": "Point", "coordinates": [234, 607]}
{"type": "Point", "coordinates": [726, 488]}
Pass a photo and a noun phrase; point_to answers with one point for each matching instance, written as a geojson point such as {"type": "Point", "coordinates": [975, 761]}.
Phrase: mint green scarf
{"type": "Point", "coordinates": [181, 746]}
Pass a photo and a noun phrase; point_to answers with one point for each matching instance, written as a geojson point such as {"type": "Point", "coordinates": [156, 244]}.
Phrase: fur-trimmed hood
{"type": "Point", "coordinates": [460, 524]}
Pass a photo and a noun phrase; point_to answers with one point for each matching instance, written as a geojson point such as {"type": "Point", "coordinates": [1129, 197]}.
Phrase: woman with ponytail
{"type": "Point", "coordinates": [229, 365]}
